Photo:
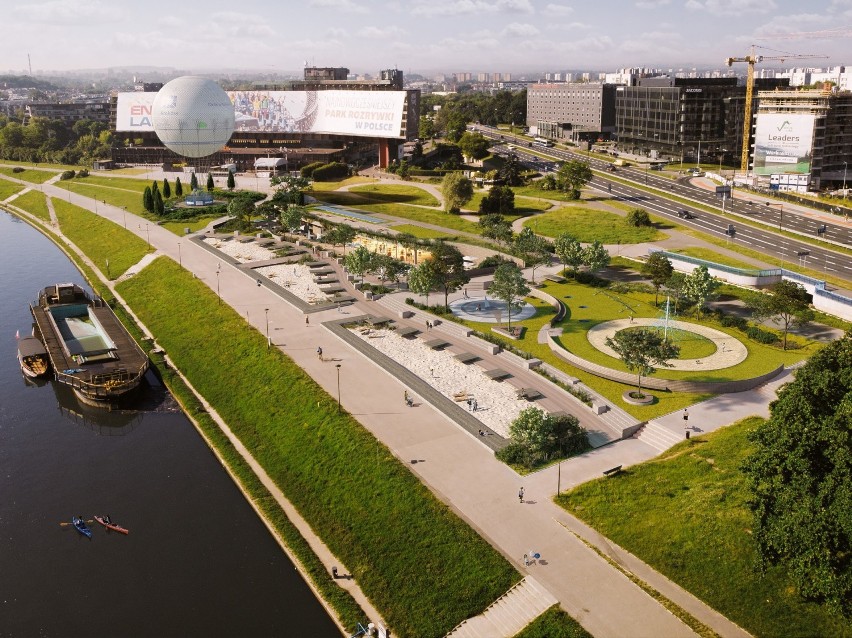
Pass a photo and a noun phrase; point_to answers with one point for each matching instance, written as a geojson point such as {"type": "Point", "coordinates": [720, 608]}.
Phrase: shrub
{"type": "Point", "coordinates": [83, 172]}
{"type": "Point", "coordinates": [67, 175]}
{"type": "Point", "coordinates": [729, 321]}
{"type": "Point", "coordinates": [638, 217]}
{"type": "Point", "coordinates": [308, 170]}
{"type": "Point", "coordinates": [590, 279]}
{"type": "Point", "coordinates": [331, 172]}
{"type": "Point", "coordinates": [761, 336]}
{"type": "Point", "coordinates": [18, 169]}
{"type": "Point", "coordinates": [492, 261]}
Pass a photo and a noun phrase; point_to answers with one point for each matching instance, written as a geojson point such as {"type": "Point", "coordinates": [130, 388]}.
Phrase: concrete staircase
{"type": "Point", "coordinates": [510, 613]}
{"type": "Point", "coordinates": [659, 437]}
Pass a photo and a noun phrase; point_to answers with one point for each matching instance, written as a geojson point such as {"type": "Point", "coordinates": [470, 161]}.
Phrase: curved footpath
{"type": "Point", "coordinates": [458, 467]}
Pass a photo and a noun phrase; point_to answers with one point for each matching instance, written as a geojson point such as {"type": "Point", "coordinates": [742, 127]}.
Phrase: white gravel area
{"type": "Point", "coordinates": [296, 278]}
{"type": "Point", "coordinates": [497, 402]}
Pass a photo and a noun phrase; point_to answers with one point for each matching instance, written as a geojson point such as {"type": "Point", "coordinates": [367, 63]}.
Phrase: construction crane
{"type": "Point", "coordinates": [751, 60]}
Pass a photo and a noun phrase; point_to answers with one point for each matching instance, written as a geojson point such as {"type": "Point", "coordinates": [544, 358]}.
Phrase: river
{"type": "Point", "coordinates": [197, 561]}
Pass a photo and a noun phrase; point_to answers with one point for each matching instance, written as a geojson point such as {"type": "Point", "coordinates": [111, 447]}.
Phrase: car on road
{"type": "Point", "coordinates": [685, 214]}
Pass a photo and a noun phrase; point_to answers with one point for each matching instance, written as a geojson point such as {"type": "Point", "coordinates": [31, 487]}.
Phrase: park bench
{"type": "Point", "coordinates": [612, 471]}
{"type": "Point", "coordinates": [529, 394]}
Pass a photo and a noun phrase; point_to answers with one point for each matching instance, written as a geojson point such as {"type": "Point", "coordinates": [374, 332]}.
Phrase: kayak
{"type": "Point", "coordinates": [106, 522]}
{"type": "Point", "coordinates": [80, 525]}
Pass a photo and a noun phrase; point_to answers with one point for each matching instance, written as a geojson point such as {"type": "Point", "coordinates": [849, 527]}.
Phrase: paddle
{"type": "Point", "coordinates": [89, 521]}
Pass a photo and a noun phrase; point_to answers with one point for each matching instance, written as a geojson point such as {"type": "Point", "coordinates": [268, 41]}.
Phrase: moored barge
{"type": "Point", "coordinates": [91, 351]}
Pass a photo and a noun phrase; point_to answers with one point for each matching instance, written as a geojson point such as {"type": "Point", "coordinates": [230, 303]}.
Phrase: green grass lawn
{"type": "Point", "coordinates": [422, 233]}
{"type": "Point", "coordinates": [685, 513]}
{"type": "Point", "coordinates": [34, 202]}
{"type": "Point", "coordinates": [554, 623]}
{"type": "Point", "coordinates": [423, 567]}
{"type": "Point", "coordinates": [322, 187]}
{"type": "Point", "coordinates": [7, 189]}
{"type": "Point", "coordinates": [524, 206]}
{"type": "Point", "coordinates": [29, 175]}
{"type": "Point", "coordinates": [692, 345]}
{"type": "Point", "coordinates": [589, 224]}
{"type": "Point", "coordinates": [195, 225]}
{"type": "Point", "coordinates": [113, 195]}
{"type": "Point", "coordinates": [394, 193]}
{"type": "Point", "coordinates": [101, 239]}
{"type": "Point", "coordinates": [719, 258]}
{"type": "Point", "coordinates": [55, 167]}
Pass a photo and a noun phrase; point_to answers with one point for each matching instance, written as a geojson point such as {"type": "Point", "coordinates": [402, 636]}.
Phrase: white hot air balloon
{"type": "Point", "coordinates": [193, 116]}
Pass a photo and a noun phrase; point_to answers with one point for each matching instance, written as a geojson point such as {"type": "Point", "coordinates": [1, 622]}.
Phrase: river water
{"type": "Point", "coordinates": [197, 561]}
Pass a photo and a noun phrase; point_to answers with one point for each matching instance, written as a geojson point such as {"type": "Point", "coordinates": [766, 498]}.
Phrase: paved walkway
{"type": "Point", "coordinates": [457, 466]}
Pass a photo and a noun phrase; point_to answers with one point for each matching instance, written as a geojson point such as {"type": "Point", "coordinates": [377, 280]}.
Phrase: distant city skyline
{"type": "Point", "coordinates": [419, 36]}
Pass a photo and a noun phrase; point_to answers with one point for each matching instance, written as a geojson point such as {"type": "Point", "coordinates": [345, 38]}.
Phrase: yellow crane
{"type": "Point", "coordinates": [751, 60]}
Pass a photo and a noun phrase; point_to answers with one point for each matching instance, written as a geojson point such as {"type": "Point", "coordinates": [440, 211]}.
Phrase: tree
{"type": "Point", "coordinates": [800, 478]}
{"type": "Point", "coordinates": [787, 303]}
{"type": "Point", "coordinates": [641, 350]}
{"type": "Point", "coordinates": [537, 437]}
{"type": "Point", "coordinates": [449, 269]}
{"type": "Point", "coordinates": [533, 249]}
{"type": "Point", "coordinates": [700, 286]}
{"type": "Point", "coordinates": [510, 172]}
{"type": "Point", "coordinates": [474, 145]}
{"type": "Point", "coordinates": [387, 268]}
{"type": "Point", "coordinates": [159, 205]}
{"type": "Point", "coordinates": [596, 257]}
{"type": "Point", "coordinates": [659, 270]}
{"type": "Point", "coordinates": [341, 235]}
{"type": "Point", "coordinates": [570, 251]}
{"type": "Point", "coordinates": [167, 191]}
{"type": "Point", "coordinates": [291, 218]}
{"type": "Point", "coordinates": [231, 181]}
{"type": "Point", "coordinates": [675, 286]}
{"type": "Point", "coordinates": [457, 191]}
{"type": "Point", "coordinates": [242, 209]}
{"type": "Point", "coordinates": [495, 227]}
{"type": "Point", "coordinates": [210, 185]}
{"type": "Point", "coordinates": [509, 285]}
{"type": "Point", "coordinates": [359, 262]}
{"type": "Point", "coordinates": [423, 278]}
{"type": "Point", "coordinates": [572, 176]}
{"type": "Point", "coordinates": [178, 187]}
{"type": "Point", "coordinates": [155, 188]}
{"type": "Point", "coordinates": [500, 200]}
{"type": "Point", "coordinates": [148, 199]}
{"type": "Point", "coordinates": [193, 182]}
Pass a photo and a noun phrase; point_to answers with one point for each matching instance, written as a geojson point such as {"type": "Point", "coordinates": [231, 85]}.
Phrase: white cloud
{"type": "Point", "coordinates": [347, 6]}
{"type": "Point", "coordinates": [519, 30]}
{"type": "Point", "coordinates": [234, 24]}
{"type": "Point", "coordinates": [558, 10]}
{"type": "Point", "coordinates": [732, 7]}
{"type": "Point", "coordinates": [382, 32]}
{"type": "Point", "coordinates": [69, 12]}
{"type": "Point", "coordinates": [651, 4]}
{"type": "Point", "coordinates": [334, 32]}
{"type": "Point", "coordinates": [430, 8]}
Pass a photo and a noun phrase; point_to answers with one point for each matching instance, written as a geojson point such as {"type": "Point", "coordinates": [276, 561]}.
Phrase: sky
{"type": "Point", "coordinates": [416, 36]}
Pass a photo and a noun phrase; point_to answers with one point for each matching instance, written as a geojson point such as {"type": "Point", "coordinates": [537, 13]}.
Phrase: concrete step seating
{"type": "Point", "coordinates": [510, 613]}
{"type": "Point", "coordinates": [659, 437]}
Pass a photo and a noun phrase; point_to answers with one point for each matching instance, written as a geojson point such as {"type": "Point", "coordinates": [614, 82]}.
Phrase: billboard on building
{"type": "Point", "coordinates": [364, 113]}
{"type": "Point", "coordinates": [783, 143]}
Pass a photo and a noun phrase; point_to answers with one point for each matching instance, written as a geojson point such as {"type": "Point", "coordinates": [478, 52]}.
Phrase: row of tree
{"type": "Point", "coordinates": [48, 140]}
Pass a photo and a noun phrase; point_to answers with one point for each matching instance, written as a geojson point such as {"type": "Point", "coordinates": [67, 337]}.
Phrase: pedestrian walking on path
{"type": "Point", "coordinates": [475, 405]}
{"type": "Point", "coordinates": [319, 353]}
{"type": "Point", "coordinates": [307, 320]}
{"type": "Point", "coordinates": [470, 404]}
{"type": "Point", "coordinates": [521, 494]}
{"type": "Point", "coordinates": [685, 418]}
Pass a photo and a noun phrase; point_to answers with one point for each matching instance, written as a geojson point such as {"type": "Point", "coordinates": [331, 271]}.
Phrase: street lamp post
{"type": "Point", "coordinates": [781, 218]}
{"type": "Point", "coordinates": [699, 155]}
{"type": "Point", "coordinates": [845, 166]}
{"type": "Point", "coordinates": [180, 259]}
{"type": "Point", "coordinates": [124, 217]}
{"type": "Point", "coordinates": [148, 234]}
{"type": "Point", "coordinates": [218, 293]}
{"type": "Point", "coordinates": [266, 310]}
{"type": "Point", "coordinates": [338, 388]}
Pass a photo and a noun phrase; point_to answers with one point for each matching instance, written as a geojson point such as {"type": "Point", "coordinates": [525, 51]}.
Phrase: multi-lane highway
{"type": "Point", "coordinates": [794, 252]}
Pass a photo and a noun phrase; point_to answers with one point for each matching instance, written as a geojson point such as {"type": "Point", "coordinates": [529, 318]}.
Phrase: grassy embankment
{"type": "Point", "coordinates": [34, 202]}
{"type": "Point", "coordinates": [685, 513]}
{"type": "Point", "coordinates": [7, 189]}
{"type": "Point", "coordinates": [29, 174]}
{"type": "Point", "coordinates": [554, 623]}
{"type": "Point", "coordinates": [102, 240]}
{"type": "Point", "coordinates": [421, 565]}
{"type": "Point", "coordinates": [588, 225]}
